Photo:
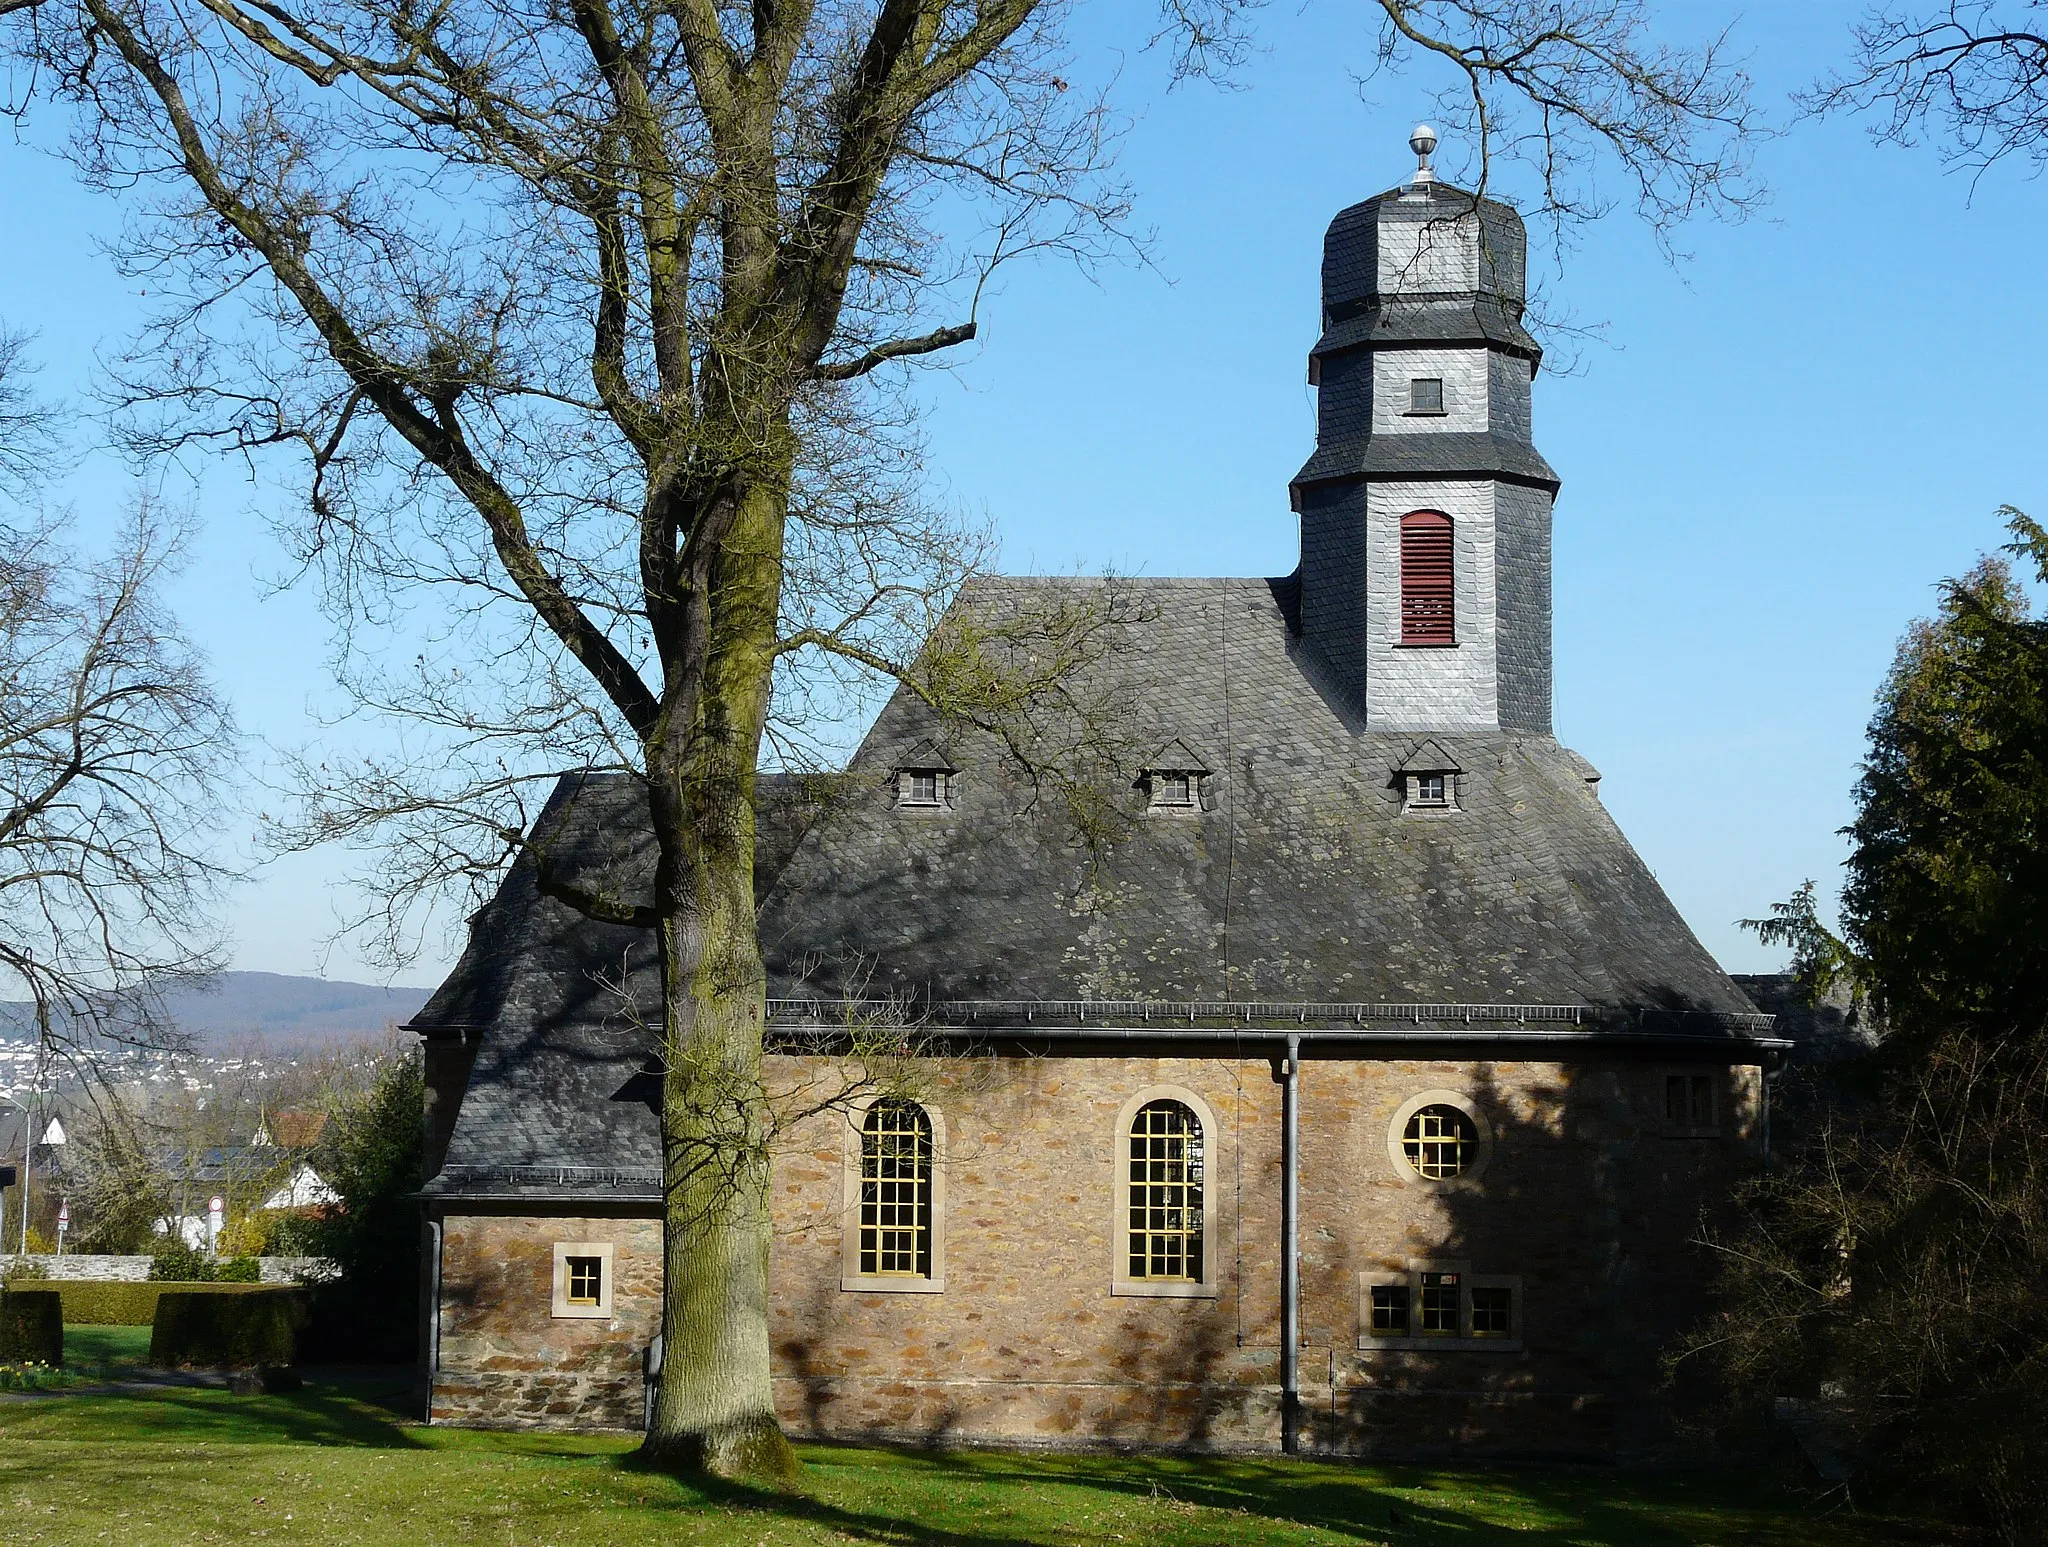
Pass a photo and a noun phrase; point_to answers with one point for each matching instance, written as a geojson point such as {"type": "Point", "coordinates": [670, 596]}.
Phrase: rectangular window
{"type": "Point", "coordinates": [1172, 789]}
{"type": "Point", "coordinates": [920, 788]}
{"type": "Point", "coordinates": [1390, 1310]}
{"type": "Point", "coordinates": [1689, 1101]}
{"type": "Point", "coordinates": [1429, 790]}
{"type": "Point", "coordinates": [1426, 395]}
{"type": "Point", "coordinates": [583, 1280]}
{"type": "Point", "coordinates": [1493, 1312]}
{"type": "Point", "coordinates": [1441, 1293]}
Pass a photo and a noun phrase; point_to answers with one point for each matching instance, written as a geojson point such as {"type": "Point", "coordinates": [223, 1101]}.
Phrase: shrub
{"type": "Point", "coordinates": [31, 1327]}
{"type": "Point", "coordinates": [103, 1303]}
{"type": "Point", "coordinates": [177, 1263]}
{"type": "Point", "coordinates": [372, 1158]}
{"type": "Point", "coordinates": [238, 1270]}
{"type": "Point", "coordinates": [208, 1328]}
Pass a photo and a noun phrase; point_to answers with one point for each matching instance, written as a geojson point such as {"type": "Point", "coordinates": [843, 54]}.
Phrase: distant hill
{"type": "Point", "coordinates": [238, 1007]}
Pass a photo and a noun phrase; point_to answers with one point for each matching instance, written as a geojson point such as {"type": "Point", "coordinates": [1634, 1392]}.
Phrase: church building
{"type": "Point", "coordinates": [1359, 1094]}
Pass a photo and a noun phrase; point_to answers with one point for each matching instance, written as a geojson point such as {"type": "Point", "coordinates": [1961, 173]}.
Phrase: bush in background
{"type": "Point", "coordinates": [31, 1327]}
{"type": "Point", "coordinates": [101, 1303]}
{"type": "Point", "coordinates": [180, 1264]}
{"type": "Point", "coordinates": [212, 1330]}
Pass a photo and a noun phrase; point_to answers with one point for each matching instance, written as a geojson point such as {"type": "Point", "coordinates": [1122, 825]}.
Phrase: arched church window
{"type": "Point", "coordinates": [1428, 580]}
{"type": "Point", "coordinates": [1165, 1194]}
{"type": "Point", "coordinates": [896, 1191]}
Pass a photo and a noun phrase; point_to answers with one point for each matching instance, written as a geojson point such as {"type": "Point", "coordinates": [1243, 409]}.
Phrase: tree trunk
{"type": "Point", "coordinates": [715, 1408]}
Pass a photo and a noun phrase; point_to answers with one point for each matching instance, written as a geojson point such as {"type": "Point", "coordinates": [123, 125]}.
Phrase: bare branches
{"type": "Point", "coordinates": [30, 445]}
{"type": "Point", "coordinates": [1568, 88]}
{"type": "Point", "coordinates": [1979, 68]}
{"type": "Point", "coordinates": [111, 744]}
{"type": "Point", "coordinates": [894, 349]}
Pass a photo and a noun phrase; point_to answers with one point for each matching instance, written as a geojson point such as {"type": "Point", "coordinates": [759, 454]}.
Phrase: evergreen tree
{"type": "Point", "coordinates": [1892, 1268]}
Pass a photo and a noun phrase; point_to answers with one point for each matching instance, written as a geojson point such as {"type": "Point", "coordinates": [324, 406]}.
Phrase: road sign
{"type": "Point", "coordinates": [63, 1213]}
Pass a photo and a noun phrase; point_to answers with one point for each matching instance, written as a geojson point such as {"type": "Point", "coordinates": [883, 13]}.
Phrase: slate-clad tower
{"type": "Point", "coordinates": [1422, 445]}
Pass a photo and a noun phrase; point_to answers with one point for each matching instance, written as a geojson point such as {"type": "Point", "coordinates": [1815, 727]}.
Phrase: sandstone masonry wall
{"type": "Point", "coordinates": [1585, 1200]}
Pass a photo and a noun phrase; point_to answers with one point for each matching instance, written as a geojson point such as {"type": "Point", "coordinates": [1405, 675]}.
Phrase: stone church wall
{"type": "Point", "coordinates": [1584, 1205]}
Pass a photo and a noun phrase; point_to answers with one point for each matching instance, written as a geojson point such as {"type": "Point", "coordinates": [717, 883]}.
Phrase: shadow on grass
{"type": "Point", "coordinates": [1401, 1506]}
{"type": "Point", "coordinates": [182, 1414]}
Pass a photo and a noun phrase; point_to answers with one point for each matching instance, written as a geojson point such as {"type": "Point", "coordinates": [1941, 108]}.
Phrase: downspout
{"type": "Point", "coordinates": [433, 1349]}
{"type": "Point", "coordinates": [1290, 1249]}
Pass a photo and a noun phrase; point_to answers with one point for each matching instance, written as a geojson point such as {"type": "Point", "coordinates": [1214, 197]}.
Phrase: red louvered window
{"type": "Point", "coordinates": [1428, 611]}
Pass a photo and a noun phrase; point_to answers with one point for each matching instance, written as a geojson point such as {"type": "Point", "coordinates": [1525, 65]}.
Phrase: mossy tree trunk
{"type": "Point", "coordinates": [587, 397]}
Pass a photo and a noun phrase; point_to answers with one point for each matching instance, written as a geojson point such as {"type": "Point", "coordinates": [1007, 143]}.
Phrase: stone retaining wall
{"type": "Point", "coordinates": [74, 1267]}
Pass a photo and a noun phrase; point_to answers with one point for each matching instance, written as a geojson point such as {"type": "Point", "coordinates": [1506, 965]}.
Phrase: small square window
{"type": "Point", "coordinates": [1689, 1101]}
{"type": "Point", "coordinates": [583, 1280]}
{"type": "Point", "coordinates": [921, 787]}
{"type": "Point", "coordinates": [1173, 789]}
{"type": "Point", "coordinates": [1493, 1312]}
{"type": "Point", "coordinates": [1431, 790]}
{"type": "Point", "coordinates": [1390, 1310]}
{"type": "Point", "coordinates": [1441, 1293]}
{"type": "Point", "coordinates": [1426, 395]}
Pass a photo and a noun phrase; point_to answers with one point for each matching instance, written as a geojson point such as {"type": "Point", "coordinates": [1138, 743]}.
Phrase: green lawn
{"type": "Point", "coordinates": [332, 1465]}
{"type": "Point", "coordinates": [103, 1351]}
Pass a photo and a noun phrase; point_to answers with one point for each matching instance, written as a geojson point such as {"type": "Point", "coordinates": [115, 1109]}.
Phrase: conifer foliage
{"type": "Point", "coordinates": [1890, 1271]}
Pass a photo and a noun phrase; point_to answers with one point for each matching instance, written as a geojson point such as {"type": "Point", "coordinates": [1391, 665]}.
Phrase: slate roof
{"type": "Point", "coordinates": [1298, 879]}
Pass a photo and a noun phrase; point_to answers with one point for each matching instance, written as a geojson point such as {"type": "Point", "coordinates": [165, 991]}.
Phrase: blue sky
{"type": "Point", "coordinates": [1778, 450]}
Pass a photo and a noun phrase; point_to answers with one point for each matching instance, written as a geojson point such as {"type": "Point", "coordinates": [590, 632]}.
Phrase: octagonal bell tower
{"type": "Point", "coordinates": [1425, 511]}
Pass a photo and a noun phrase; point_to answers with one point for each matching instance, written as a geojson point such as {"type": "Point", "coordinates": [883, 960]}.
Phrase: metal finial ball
{"type": "Point", "coordinates": [1423, 140]}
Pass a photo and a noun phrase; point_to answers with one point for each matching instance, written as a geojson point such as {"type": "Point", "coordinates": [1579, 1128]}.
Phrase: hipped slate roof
{"type": "Point", "coordinates": [1300, 880]}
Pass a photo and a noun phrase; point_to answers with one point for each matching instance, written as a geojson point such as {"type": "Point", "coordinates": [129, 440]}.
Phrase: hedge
{"type": "Point", "coordinates": [110, 1303]}
{"type": "Point", "coordinates": [31, 1327]}
{"type": "Point", "coordinates": [205, 1327]}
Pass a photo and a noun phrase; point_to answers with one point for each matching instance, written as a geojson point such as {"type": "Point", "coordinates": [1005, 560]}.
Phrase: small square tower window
{"type": "Point", "coordinates": [1426, 395]}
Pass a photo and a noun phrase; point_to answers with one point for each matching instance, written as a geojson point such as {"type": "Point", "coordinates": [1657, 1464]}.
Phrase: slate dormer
{"type": "Point", "coordinates": [1425, 510]}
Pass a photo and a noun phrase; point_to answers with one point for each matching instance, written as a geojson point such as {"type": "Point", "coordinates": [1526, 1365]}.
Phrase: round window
{"type": "Point", "coordinates": [1440, 1143]}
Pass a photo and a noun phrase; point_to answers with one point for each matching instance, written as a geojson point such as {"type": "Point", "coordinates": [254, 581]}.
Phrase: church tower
{"type": "Point", "coordinates": [1425, 511]}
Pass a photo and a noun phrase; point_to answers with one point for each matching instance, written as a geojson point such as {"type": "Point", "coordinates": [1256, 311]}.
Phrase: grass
{"type": "Point", "coordinates": [335, 1464]}
{"type": "Point", "coordinates": [103, 1352]}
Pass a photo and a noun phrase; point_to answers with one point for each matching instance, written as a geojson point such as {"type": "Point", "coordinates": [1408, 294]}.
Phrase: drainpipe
{"type": "Point", "coordinates": [1290, 1249]}
{"type": "Point", "coordinates": [433, 1349]}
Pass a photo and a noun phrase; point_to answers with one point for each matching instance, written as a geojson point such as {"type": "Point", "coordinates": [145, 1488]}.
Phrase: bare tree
{"type": "Point", "coordinates": [1546, 96]}
{"type": "Point", "coordinates": [584, 318]}
{"type": "Point", "coordinates": [1978, 68]}
{"type": "Point", "coordinates": [111, 749]}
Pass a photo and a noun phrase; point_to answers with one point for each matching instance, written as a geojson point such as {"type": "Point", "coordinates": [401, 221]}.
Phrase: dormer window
{"type": "Point", "coordinates": [1428, 780]}
{"type": "Point", "coordinates": [924, 779]}
{"type": "Point", "coordinates": [1426, 395]}
{"type": "Point", "coordinates": [1173, 781]}
{"type": "Point", "coordinates": [1173, 788]}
